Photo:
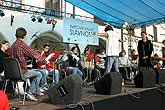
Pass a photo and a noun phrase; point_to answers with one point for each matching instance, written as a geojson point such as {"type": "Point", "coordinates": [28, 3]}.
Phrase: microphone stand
{"type": "Point", "coordinates": [152, 44]}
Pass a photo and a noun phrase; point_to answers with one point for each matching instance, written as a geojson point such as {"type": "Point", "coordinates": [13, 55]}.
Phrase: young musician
{"type": "Point", "coordinates": [50, 66]}
{"type": "Point", "coordinates": [73, 61]}
{"type": "Point", "coordinates": [4, 46]}
{"type": "Point", "coordinates": [21, 51]}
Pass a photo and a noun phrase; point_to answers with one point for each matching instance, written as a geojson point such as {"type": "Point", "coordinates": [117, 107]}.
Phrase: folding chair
{"type": "Point", "coordinates": [13, 72]}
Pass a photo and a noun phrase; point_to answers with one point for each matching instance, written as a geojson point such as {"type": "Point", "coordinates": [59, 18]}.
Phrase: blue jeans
{"type": "Point", "coordinates": [111, 61]}
{"type": "Point", "coordinates": [75, 70]}
{"type": "Point", "coordinates": [43, 80]}
{"type": "Point", "coordinates": [35, 78]}
{"type": "Point", "coordinates": [56, 75]}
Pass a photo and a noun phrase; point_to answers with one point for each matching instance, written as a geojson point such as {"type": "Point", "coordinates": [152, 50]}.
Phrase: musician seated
{"type": "Point", "coordinates": [156, 61]}
{"type": "Point", "coordinates": [124, 65]}
{"type": "Point", "coordinates": [100, 61]}
{"type": "Point", "coordinates": [4, 45]}
{"type": "Point", "coordinates": [134, 61]}
{"type": "Point", "coordinates": [49, 66]}
{"type": "Point", "coordinates": [73, 61]}
{"type": "Point", "coordinates": [87, 63]}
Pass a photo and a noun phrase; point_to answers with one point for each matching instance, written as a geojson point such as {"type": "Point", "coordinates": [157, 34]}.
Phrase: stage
{"type": "Point", "coordinates": [131, 98]}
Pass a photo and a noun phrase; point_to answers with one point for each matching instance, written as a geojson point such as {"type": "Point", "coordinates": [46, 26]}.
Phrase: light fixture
{"type": "Point", "coordinates": [40, 19]}
{"type": "Point", "coordinates": [53, 24]}
{"type": "Point", "coordinates": [2, 13]}
{"type": "Point", "coordinates": [49, 20]}
{"type": "Point", "coordinates": [12, 19]}
{"type": "Point", "coordinates": [33, 18]}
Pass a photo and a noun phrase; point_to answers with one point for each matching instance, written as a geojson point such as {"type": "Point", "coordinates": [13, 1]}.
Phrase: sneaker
{"type": "Point", "coordinates": [31, 97]}
{"type": "Point", "coordinates": [41, 94]}
{"type": "Point", "coordinates": [42, 90]}
{"type": "Point", "coordinates": [45, 88]}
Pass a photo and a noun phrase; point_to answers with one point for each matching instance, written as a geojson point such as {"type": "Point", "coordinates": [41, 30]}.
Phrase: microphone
{"type": "Point", "coordinates": [150, 35]}
{"type": "Point", "coordinates": [34, 35]}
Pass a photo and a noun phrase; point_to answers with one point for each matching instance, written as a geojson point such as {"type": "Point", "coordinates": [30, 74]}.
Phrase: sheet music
{"type": "Point", "coordinates": [49, 56]}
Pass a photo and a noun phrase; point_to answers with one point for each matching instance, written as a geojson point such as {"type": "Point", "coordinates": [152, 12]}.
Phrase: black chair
{"type": "Point", "coordinates": [13, 72]}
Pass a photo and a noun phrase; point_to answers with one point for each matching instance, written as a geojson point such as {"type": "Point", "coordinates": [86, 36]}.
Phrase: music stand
{"type": "Point", "coordinates": [57, 54]}
{"type": "Point", "coordinates": [90, 56]}
{"type": "Point", "coordinates": [89, 59]}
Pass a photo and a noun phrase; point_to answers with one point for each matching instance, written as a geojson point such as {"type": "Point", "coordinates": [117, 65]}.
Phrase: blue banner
{"type": "Point", "coordinates": [79, 32]}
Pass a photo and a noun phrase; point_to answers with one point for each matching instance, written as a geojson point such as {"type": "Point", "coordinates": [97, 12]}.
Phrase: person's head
{"type": "Point", "coordinates": [144, 35]}
{"type": "Point", "coordinates": [4, 45]}
{"type": "Point", "coordinates": [133, 52]}
{"type": "Point", "coordinates": [86, 50]}
{"type": "Point", "coordinates": [46, 48]}
{"type": "Point", "coordinates": [163, 42]}
{"type": "Point", "coordinates": [102, 51]}
{"type": "Point", "coordinates": [20, 33]}
{"type": "Point", "coordinates": [122, 53]}
{"type": "Point", "coordinates": [108, 27]}
{"type": "Point", "coordinates": [74, 50]}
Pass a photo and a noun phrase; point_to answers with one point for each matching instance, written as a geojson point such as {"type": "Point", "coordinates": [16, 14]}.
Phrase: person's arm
{"type": "Point", "coordinates": [76, 57]}
{"type": "Point", "coordinates": [28, 51]}
{"type": "Point", "coordinates": [101, 34]}
{"type": "Point", "coordinates": [65, 57]}
{"type": "Point", "coordinates": [140, 49]}
{"type": "Point", "coordinates": [151, 48]}
{"type": "Point", "coordinates": [120, 40]}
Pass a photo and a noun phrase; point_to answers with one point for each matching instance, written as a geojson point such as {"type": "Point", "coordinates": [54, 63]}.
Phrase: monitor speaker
{"type": "Point", "coordinates": [109, 84]}
{"type": "Point", "coordinates": [145, 78]}
{"type": "Point", "coordinates": [160, 76]}
{"type": "Point", "coordinates": [67, 91]}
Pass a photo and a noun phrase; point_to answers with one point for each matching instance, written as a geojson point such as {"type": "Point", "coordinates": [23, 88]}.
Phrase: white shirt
{"type": "Point", "coordinates": [112, 44]}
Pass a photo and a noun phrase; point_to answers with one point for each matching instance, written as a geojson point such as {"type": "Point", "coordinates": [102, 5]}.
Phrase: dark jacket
{"type": "Point", "coordinates": [72, 61]}
{"type": "Point", "coordinates": [2, 55]}
{"type": "Point", "coordinates": [145, 49]}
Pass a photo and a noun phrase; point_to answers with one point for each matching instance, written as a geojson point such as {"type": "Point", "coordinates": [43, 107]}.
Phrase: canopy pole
{"type": "Point", "coordinates": [122, 45]}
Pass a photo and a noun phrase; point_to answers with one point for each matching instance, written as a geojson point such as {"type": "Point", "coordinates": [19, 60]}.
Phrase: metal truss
{"type": "Point", "coordinates": [40, 11]}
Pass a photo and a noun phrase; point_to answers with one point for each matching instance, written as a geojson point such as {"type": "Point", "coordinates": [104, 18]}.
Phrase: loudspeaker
{"type": "Point", "coordinates": [145, 78]}
{"type": "Point", "coordinates": [67, 91]}
{"type": "Point", "coordinates": [109, 84]}
{"type": "Point", "coordinates": [160, 76]}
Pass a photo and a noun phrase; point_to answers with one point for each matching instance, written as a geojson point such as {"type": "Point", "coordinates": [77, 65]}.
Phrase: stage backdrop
{"type": "Point", "coordinates": [79, 32]}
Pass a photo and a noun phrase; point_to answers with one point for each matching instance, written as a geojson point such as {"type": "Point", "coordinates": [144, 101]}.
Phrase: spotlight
{"type": "Point", "coordinates": [49, 21]}
{"type": "Point", "coordinates": [33, 18]}
{"type": "Point", "coordinates": [39, 19]}
{"type": "Point", "coordinates": [2, 13]}
{"type": "Point", "coordinates": [54, 22]}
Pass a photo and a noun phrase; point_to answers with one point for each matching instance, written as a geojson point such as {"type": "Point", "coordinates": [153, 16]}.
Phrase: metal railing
{"type": "Point", "coordinates": [40, 11]}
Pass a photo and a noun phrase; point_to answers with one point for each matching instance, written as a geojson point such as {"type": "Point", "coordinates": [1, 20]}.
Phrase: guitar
{"type": "Point", "coordinates": [52, 61]}
{"type": "Point", "coordinates": [158, 58]}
